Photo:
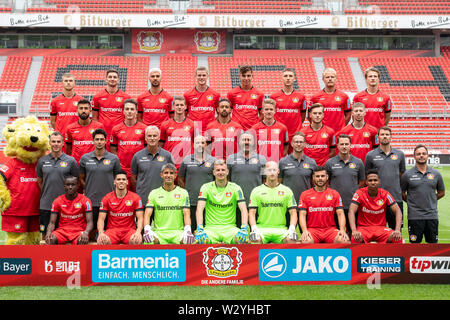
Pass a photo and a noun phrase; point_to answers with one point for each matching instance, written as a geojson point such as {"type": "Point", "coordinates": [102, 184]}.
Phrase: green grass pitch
{"type": "Point", "coordinates": [306, 292]}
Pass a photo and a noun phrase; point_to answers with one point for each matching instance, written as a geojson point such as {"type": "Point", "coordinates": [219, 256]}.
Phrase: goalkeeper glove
{"type": "Point", "coordinates": [149, 234]}
{"type": "Point", "coordinates": [292, 233]}
{"type": "Point", "coordinates": [188, 237]}
{"type": "Point", "coordinates": [256, 235]}
{"type": "Point", "coordinates": [242, 235]}
{"type": "Point", "coordinates": [200, 235]}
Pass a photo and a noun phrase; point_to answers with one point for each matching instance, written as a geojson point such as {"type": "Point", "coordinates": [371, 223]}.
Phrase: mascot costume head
{"type": "Point", "coordinates": [27, 141]}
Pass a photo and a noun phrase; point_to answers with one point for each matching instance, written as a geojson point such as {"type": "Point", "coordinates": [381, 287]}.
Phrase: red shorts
{"type": "Point", "coordinates": [323, 235]}
{"type": "Point", "coordinates": [119, 235]}
{"type": "Point", "coordinates": [377, 234]}
{"type": "Point", "coordinates": [20, 224]}
{"type": "Point", "coordinates": [67, 235]}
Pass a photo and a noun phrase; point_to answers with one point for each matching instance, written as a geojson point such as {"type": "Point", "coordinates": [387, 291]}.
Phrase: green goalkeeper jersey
{"type": "Point", "coordinates": [168, 207]}
{"type": "Point", "coordinates": [272, 204]}
{"type": "Point", "coordinates": [221, 203]}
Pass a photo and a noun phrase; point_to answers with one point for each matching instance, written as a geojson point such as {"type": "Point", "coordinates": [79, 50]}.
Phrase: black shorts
{"type": "Point", "coordinates": [390, 216]}
{"type": "Point", "coordinates": [419, 228]}
{"type": "Point", "coordinates": [44, 220]}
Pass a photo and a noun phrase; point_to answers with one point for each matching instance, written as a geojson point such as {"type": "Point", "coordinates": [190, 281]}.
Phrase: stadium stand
{"type": "Point", "coordinates": [400, 7]}
{"type": "Point", "coordinates": [178, 73]}
{"type": "Point", "coordinates": [15, 73]}
{"type": "Point", "coordinates": [342, 68]}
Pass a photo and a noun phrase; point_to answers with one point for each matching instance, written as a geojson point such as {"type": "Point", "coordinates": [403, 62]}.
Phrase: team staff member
{"type": "Point", "coordinates": [63, 108]}
{"type": "Point", "coordinates": [320, 139]}
{"type": "Point", "coordinates": [128, 137]}
{"type": "Point", "coordinates": [108, 103]}
{"type": "Point", "coordinates": [171, 209]}
{"type": "Point", "coordinates": [74, 211]}
{"type": "Point", "coordinates": [297, 168]}
{"type": "Point", "coordinates": [364, 136]}
{"type": "Point", "coordinates": [219, 199]}
{"type": "Point", "coordinates": [272, 136]}
{"type": "Point", "coordinates": [346, 173]}
{"type": "Point", "coordinates": [222, 133]}
{"type": "Point", "coordinates": [291, 104]}
{"type": "Point", "coordinates": [146, 164]}
{"type": "Point", "coordinates": [336, 104]}
{"type": "Point", "coordinates": [246, 168]}
{"type": "Point", "coordinates": [123, 208]}
{"type": "Point", "coordinates": [78, 136]}
{"type": "Point", "coordinates": [51, 170]}
{"type": "Point", "coordinates": [201, 101]}
{"type": "Point", "coordinates": [370, 204]}
{"type": "Point", "coordinates": [422, 187]}
{"type": "Point", "coordinates": [177, 133]}
{"type": "Point", "coordinates": [270, 201]}
{"type": "Point", "coordinates": [155, 104]}
{"type": "Point", "coordinates": [390, 164]}
{"type": "Point", "coordinates": [246, 100]}
{"type": "Point", "coordinates": [196, 170]}
{"type": "Point", "coordinates": [378, 104]}
{"type": "Point", "coordinates": [317, 207]}
{"type": "Point", "coordinates": [97, 170]}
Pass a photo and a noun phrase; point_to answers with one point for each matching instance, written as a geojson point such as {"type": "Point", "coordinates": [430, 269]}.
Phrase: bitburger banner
{"type": "Point", "coordinates": [172, 41]}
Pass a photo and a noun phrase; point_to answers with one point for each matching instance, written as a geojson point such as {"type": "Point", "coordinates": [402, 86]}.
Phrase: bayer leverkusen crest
{"type": "Point", "coordinates": [150, 41]}
{"type": "Point", "coordinates": [222, 262]}
{"type": "Point", "coordinates": [207, 41]}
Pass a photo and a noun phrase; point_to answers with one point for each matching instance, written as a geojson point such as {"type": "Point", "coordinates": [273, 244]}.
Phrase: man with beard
{"type": "Point", "coordinates": [390, 164]}
{"type": "Point", "coordinates": [155, 104]}
{"type": "Point", "coordinates": [78, 135]}
{"type": "Point", "coordinates": [317, 207]}
{"type": "Point", "coordinates": [223, 132]}
{"type": "Point", "coordinates": [422, 187]}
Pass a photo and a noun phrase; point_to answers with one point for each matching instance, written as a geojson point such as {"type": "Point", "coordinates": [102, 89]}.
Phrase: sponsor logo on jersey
{"type": "Point", "coordinates": [337, 98]}
{"type": "Point", "coordinates": [63, 164]}
{"type": "Point", "coordinates": [380, 99]}
{"type": "Point", "coordinates": [366, 134]}
{"type": "Point", "coordinates": [129, 203]}
{"type": "Point", "coordinates": [306, 165]}
{"type": "Point", "coordinates": [281, 193]}
{"type": "Point", "coordinates": [160, 158]}
{"type": "Point", "coordinates": [430, 176]}
{"type": "Point", "coordinates": [324, 135]}
{"type": "Point", "coordinates": [329, 197]}
{"type": "Point", "coordinates": [351, 165]}
{"type": "Point", "coordinates": [222, 262]}
{"type": "Point", "coordinates": [380, 202]}
{"type": "Point", "coordinates": [106, 162]}
{"type": "Point", "coordinates": [394, 157]}
{"type": "Point", "coordinates": [77, 205]}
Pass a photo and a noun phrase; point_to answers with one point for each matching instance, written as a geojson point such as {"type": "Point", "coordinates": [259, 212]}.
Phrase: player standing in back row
{"type": "Point", "coordinates": [246, 100]}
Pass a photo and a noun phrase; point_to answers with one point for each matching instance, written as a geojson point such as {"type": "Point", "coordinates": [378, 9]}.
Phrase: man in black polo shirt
{"type": "Point", "coordinates": [390, 164]}
{"type": "Point", "coordinates": [346, 173]}
{"type": "Point", "coordinates": [422, 187]}
{"type": "Point", "coordinates": [97, 170]}
{"type": "Point", "coordinates": [51, 171]}
{"type": "Point", "coordinates": [195, 170]}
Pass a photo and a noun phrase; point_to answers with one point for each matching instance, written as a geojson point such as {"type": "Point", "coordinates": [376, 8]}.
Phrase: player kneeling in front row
{"type": "Point", "coordinates": [317, 208]}
{"type": "Point", "coordinates": [75, 216]}
{"type": "Point", "coordinates": [370, 203]}
{"type": "Point", "coordinates": [270, 201]}
{"type": "Point", "coordinates": [171, 206]}
{"type": "Point", "coordinates": [122, 207]}
{"type": "Point", "coordinates": [219, 199]}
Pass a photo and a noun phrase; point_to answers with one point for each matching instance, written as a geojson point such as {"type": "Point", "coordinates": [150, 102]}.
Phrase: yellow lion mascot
{"type": "Point", "coordinates": [27, 141]}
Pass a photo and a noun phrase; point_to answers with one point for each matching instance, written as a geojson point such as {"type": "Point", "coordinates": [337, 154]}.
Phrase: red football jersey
{"type": "Point", "coordinates": [65, 110]}
{"type": "Point", "coordinates": [246, 106]}
{"type": "Point", "coordinates": [72, 213]}
{"type": "Point", "coordinates": [154, 108]}
{"type": "Point", "coordinates": [81, 138]}
{"type": "Point", "coordinates": [376, 106]}
{"type": "Point", "coordinates": [223, 137]}
{"type": "Point", "coordinates": [335, 105]}
{"type": "Point", "coordinates": [363, 140]}
{"type": "Point", "coordinates": [318, 143]}
{"type": "Point", "coordinates": [22, 183]}
{"type": "Point", "coordinates": [271, 140]}
{"type": "Point", "coordinates": [121, 211]}
{"type": "Point", "coordinates": [289, 109]}
{"type": "Point", "coordinates": [178, 138]}
{"type": "Point", "coordinates": [128, 140]}
{"type": "Point", "coordinates": [372, 211]}
{"type": "Point", "coordinates": [320, 207]}
{"type": "Point", "coordinates": [202, 106]}
{"type": "Point", "coordinates": [110, 108]}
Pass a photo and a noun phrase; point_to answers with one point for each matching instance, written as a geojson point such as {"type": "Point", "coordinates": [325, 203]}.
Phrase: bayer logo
{"type": "Point", "coordinates": [274, 265]}
{"type": "Point", "coordinates": [222, 262]}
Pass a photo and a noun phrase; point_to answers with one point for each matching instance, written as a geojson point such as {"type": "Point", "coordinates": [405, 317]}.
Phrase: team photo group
{"type": "Point", "coordinates": [250, 167]}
